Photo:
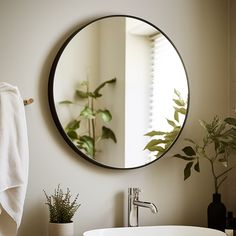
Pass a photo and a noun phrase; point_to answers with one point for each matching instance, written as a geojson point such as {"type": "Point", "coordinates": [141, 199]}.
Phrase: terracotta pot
{"type": "Point", "coordinates": [61, 229]}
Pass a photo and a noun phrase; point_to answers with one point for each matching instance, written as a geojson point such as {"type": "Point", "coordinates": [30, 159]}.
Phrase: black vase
{"type": "Point", "coordinates": [216, 213]}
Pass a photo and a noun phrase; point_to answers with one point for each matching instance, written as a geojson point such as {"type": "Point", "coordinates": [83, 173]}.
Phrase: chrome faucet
{"type": "Point", "coordinates": [134, 203]}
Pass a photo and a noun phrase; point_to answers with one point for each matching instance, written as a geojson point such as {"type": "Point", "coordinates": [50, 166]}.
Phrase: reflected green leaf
{"type": "Point", "coordinates": [105, 114]}
{"type": "Point", "coordinates": [72, 134]}
{"type": "Point", "coordinates": [154, 133]}
{"type": "Point", "coordinates": [81, 94]}
{"type": "Point", "coordinates": [179, 102]}
{"type": "Point", "coordinates": [151, 144]}
{"type": "Point", "coordinates": [108, 134]}
{"type": "Point", "coordinates": [170, 122]}
{"type": "Point", "coordinates": [66, 102]}
{"type": "Point", "coordinates": [181, 110]}
{"type": "Point", "coordinates": [87, 113]}
{"type": "Point", "coordinates": [73, 125]}
{"type": "Point", "coordinates": [86, 143]}
{"type": "Point", "coordinates": [97, 90]}
{"type": "Point", "coordinates": [176, 116]}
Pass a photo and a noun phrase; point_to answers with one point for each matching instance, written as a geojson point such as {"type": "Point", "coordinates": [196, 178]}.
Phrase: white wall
{"type": "Point", "coordinates": [137, 98]}
{"type": "Point", "coordinates": [31, 34]}
{"type": "Point", "coordinates": [112, 65]}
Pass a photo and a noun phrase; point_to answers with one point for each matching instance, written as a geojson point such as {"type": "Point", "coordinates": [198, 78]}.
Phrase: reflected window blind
{"type": "Point", "coordinates": [164, 71]}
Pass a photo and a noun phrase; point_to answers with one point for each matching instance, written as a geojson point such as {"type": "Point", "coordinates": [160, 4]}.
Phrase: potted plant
{"type": "Point", "coordinates": [61, 212]}
{"type": "Point", "coordinates": [217, 145]}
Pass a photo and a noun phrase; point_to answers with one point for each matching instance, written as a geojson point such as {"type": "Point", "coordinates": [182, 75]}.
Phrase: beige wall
{"type": "Point", "coordinates": [232, 68]}
{"type": "Point", "coordinates": [31, 34]}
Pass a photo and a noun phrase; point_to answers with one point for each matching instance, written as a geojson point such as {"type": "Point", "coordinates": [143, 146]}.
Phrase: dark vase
{"type": "Point", "coordinates": [216, 213]}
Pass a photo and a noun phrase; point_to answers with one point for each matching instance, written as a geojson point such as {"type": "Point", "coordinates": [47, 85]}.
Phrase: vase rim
{"type": "Point", "coordinates": [61, 222]}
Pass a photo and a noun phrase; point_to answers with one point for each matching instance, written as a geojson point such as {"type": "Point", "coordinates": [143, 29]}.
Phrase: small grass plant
{"type": "Point", "coordinates": [61, 207]}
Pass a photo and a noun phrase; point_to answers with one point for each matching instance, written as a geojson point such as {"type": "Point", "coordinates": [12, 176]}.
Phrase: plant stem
{"type": "Point", "coordinates": [221, 182]}
{"type": "Point", "coordinates": [89, 125]}
{"type": "Point", "coordinates": [93, 127]}
{"type": "Point", "coordinates": [214, 175]}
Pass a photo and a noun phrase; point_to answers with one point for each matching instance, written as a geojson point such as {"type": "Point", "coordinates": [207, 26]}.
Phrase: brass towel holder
{"type": "Point", "coordinates": [28, 101]}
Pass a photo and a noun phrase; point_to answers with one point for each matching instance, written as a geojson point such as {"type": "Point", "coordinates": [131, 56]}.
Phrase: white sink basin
{"type": "Point", "coordinates": [168, 230]}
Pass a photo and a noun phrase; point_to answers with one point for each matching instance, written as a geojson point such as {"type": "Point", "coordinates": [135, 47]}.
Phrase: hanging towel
{"type": "Point", "coordinates": [14, 153]}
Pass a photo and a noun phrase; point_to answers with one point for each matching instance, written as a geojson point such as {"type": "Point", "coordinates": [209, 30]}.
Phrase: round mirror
{"type": "Point", "coordinates": [118, 92]}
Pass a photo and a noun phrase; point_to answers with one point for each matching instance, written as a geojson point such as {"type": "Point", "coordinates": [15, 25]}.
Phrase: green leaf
{"type": "Point", "coordinates": [90, 94]}
{"type": "Point", "coordinates": [73, 125]}
{"type": "Point", "coordinates": [197, 167]}
{"type": "Point", "coordinates": [108, 133]}
{"type": "Point", "coordinates": [179, 102]}
{"type": "Point", "coordinates": [105, 114]}
{"type": "Point", "coordinates": [86, 143]}
{"type": "Point", "coordinates": [87, 113]}
{"type": "Point", "coordinates": [153, 143]}
{"type": "Point", "coordinates": [181, 110]}
{"type": "Point", "coordinates": [81, 94]}
{"type": "Point", "coordinates": [230, 120]}
{"type": "Point", "coordinates": [72, 134]}
{"type": "Point", "coordinates": [66, 102]}
{"type": "Point", "coordinates": [177, 93]}
{"type": "Point", "coordinates": [154, 133]}
{"type": "Point", "coordinates": [159, 149]}
{"type": "Point", "coordinates": [189, 151]}
{"type": "Point", "coordinates": [187, 170]}
{"type": "Point", "coordinates": [97, 90]}
{"type": "Point", "coordinates": [176, 116]}
{"type": "Point", "coordinates": [172, 123]}
{"type": "Point", "coordinates": [186, 158]}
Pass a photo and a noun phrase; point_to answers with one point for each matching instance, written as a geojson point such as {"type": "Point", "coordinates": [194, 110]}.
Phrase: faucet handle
{"type": "Point", "coordinates": [134, 192]}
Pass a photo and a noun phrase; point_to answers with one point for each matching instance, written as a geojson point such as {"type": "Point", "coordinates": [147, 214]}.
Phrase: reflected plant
{"type": "Point", "coordinates": [88, 114]}
{"type": "Point", "coordinates": [218, 143]}
{"type": "Point", "coordinates": [162, 140]}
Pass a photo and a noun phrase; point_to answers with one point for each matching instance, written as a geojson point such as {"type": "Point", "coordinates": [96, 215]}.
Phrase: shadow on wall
{"type": "Point", "coordinates": [34, 220]}
{"type": "Point", "coordinates": [119, 210]}
{"type": "Point", "coordinates": [7, 225]}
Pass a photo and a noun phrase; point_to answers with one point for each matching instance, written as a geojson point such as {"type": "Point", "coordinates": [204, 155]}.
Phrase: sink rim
{"type": "Point", "coordinates": [153, 226]}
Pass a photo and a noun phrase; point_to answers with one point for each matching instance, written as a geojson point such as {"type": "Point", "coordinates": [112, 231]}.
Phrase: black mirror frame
{"type": "Point", "coordinates": [53, 108]}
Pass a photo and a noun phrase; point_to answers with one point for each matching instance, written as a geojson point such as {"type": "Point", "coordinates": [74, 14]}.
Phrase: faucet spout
{"type": "Point", "coordinates": [134, 204]}
{"type": "Point", "coordinates": [149, 205]}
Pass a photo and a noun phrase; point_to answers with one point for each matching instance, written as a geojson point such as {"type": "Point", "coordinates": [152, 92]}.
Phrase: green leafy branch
{"type": "Point", "coordinates": [89, 114]}
{"type": "Point", "coordinates": [162, 140]}
{"type": "Point", "coordinates": [221, 137]}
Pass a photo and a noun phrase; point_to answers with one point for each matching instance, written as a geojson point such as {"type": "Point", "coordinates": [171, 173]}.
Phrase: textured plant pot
{"type": "Point", "coordinates": [61, 229]}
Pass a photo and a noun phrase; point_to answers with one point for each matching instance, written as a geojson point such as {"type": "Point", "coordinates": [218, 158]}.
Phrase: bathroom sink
{"type": "Point", "coordinates": [168, 230]}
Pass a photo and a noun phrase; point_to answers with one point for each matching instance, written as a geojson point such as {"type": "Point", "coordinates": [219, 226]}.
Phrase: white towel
{"type": "Point", "coordinates": [14, 153]}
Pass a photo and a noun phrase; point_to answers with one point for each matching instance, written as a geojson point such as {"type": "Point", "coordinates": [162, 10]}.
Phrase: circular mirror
{"type": "Point", "coordinates": [118, 92]}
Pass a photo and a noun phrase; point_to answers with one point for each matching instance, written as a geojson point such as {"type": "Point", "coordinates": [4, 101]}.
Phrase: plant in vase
{"type": "Point", "coordinates": [88, 139]}
{"type": "Point", "coordinates": [61, 212]}
{"type": "Point", "coordinates": [217, 145]}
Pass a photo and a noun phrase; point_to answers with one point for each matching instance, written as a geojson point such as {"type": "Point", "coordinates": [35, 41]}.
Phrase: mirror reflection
{"type": "Point", "coordinates": [118, 92]}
